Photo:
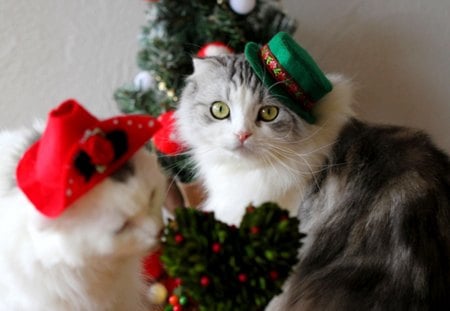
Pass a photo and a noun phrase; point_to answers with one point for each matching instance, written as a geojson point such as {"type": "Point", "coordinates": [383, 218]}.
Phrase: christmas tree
{"type": "Point", "coordinates": [175, 31]}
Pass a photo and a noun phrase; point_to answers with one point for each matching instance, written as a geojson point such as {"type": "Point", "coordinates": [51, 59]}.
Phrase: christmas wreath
{"type": "Point", "coordinates": [221, 267]}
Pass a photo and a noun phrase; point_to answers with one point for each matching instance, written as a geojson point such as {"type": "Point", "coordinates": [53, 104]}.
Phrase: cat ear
{"type": "Point", "coordinates": [202, 65]}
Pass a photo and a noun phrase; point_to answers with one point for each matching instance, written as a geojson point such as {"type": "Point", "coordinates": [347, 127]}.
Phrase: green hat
{"type": "Point", "coordinates": [289, 72]}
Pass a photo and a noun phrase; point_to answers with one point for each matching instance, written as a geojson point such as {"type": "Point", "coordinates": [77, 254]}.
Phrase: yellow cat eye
{"type": "Point", "coordinates": [268, 113]}
{"type": "Point", "coordinates": [220, 110]}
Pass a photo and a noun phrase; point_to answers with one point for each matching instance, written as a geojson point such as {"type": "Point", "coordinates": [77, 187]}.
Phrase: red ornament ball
{"type": "Point", "coordinates": [214, 49]}
{"type": "Point", "coordinates": [166, 139]}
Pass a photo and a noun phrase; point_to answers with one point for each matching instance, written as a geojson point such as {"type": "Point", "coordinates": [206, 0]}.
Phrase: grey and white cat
{"type": "Point", "coordinates": [372, 200]}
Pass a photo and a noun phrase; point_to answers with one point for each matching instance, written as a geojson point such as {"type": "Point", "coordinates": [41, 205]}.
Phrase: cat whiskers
{"type": "Point", "coordinates": [291, 155]}
{"type": "Point", "coordinates": [296, 172]}
{"type": "Point", "coordinates": [313, 170]}
{"type": "Point", "coordinates": [189, 162]}
{"type": "Point", "coordinates": [284, 155]}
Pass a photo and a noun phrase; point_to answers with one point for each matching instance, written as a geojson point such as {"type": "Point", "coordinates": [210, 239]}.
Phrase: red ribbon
{"type": "Point", "coordinates": [281, 75]}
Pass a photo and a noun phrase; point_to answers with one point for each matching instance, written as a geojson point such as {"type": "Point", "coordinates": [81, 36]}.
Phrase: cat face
{"type": "Point", "coordinates": [120, 217]}
{"type": "Point", "coordinates": [226, 111]}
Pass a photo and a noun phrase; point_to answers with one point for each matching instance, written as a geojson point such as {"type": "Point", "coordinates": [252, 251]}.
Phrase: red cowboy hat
{"type": "Point", "coordinates": [76, 152]}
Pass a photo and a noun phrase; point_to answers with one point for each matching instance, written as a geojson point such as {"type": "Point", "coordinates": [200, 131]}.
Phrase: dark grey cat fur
{"type": "Point", "coordinates": [385, 244]}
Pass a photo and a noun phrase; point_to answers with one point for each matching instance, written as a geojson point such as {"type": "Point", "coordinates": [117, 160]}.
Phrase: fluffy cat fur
{"type": "Point", "coordinates": [89, 258]}
{"type": "Point", "coordinates": [372, 200]}
{"type": "Point", "coordinates": [277, 161]}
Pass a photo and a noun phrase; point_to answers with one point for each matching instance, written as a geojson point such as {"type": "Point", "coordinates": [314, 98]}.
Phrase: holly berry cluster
{"type": "Point", "coordinates": [221, 267]}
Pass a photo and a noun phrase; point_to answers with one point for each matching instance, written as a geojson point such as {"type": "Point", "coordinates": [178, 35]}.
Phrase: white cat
{"type": "Point", "coordinates": [87, 258]}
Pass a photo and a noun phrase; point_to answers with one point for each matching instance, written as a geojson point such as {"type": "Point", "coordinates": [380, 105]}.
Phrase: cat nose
{"type": "Point", "coordinates": [242, 136]}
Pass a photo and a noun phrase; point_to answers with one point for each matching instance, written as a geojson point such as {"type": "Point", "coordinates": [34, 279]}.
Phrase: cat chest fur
{"type": "Point", "coordinates": [231, 190]}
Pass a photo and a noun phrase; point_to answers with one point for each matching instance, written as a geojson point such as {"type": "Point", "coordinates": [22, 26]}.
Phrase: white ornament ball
{"type": "Point", "coordinates": [144, 81]}
{"type": "Point", "coordinates": [157, 293]}
{"type": "Point", "coordinates": [242, 6]}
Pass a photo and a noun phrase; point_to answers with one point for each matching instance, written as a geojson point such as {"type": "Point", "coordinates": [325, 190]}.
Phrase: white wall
{"type": "Point", "coordinates": [397, 51]}
{"type": "Point", "coordinates": [51, 50]}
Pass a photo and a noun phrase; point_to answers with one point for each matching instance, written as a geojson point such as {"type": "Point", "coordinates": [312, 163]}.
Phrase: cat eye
{"type": "Point", "coordinates": [220, 110]}
{"type": "Point", "coordinates": [268, 113]}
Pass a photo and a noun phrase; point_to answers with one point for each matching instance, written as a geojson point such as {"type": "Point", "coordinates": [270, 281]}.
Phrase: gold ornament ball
{"type": "Point", "coordinates": [157, 293]}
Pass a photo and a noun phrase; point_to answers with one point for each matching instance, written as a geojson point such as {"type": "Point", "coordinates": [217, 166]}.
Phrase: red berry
{"type": "Point", "coordinates": [204, 281]}
{"type": "Point", "coordinates": [177, 282]}
{"type": "Point", "coordinates": [216, 247]}
{"type": "Point", "coordinates": [179, 238]}
{"type": "Point", "coordinates": [177, 308]}
{"type": "Point", "coordinates": [242, 277]}
{"type": "Point", "coordinates": [173, 300]}
{"type": "Point", "coordinates": [254, 230]}
{"type": "Point", "coordinates": [274, 275]}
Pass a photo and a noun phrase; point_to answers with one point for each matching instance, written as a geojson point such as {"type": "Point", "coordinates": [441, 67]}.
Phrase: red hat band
{"type": "Point", "coordinates": [282, 76]}
{"type": "Point", "coordinates": [76, 152]}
